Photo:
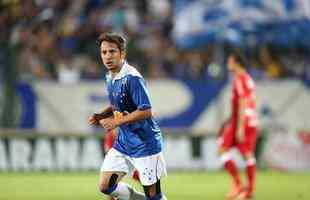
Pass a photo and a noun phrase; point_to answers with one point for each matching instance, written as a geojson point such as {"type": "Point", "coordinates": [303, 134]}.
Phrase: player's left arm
{"type": "Point", "coordinates": [126, 118]}
{"type": "Point", "coordinates": [140, 96]}
{"type": "Point", "coordinates": [135, 116]}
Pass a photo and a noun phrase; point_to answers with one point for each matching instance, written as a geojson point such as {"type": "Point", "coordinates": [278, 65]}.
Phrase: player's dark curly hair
{"type": "Point", "coordinates": [238, 57]}
{"type": "Point", "coordinates": [113, 38]}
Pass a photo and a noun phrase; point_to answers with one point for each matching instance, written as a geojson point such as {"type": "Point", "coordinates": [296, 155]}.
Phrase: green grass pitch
{"type": "Point", "coordinates": [177, 186]}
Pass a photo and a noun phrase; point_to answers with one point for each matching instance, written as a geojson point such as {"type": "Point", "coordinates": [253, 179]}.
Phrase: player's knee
{"type": "Point", "coordinates": [106, 189]}
{"type": "Point", "coordinates": [103, 187]}
{"type": "Point", "coordinates": [225, 156]}
{"type": "Point", "coordinates": [250, 160]}
{"type": "Point", "coordinates": [107, 186]}
{"type": "Point", "coordinates": [153, 192]}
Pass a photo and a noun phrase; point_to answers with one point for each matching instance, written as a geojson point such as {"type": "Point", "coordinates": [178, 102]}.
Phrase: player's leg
{"type": "Point", "coordinates": [250, 174]}
{"type": "Point", "coordinates": [247, 149]}
{"type": "Point", "coordinates": [225, 142]}
{"type": "Point", "coordinates": [107, 144]}
{"type": "Point", "coordinates": [151, 169]}
{"type": "Point", "coordinates": [108, 182]}
{"type": "Point", "coordinates": [113, 169]}
{"type": "Point", "coordinates": [153, 192]}
{"type": "Point", "coordinates": [231, 168]}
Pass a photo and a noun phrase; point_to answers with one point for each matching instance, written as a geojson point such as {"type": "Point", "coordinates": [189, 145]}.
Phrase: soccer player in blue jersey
{"type": "Point", "coordinates": [139, 141]}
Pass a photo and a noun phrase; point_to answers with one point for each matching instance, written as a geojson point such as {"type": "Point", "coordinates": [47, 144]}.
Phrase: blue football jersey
{"type": "Point", "coordinates": [127, 93]}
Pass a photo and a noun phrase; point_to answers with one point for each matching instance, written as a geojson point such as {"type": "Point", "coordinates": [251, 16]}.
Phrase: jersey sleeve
{"type": "Point", "coordinates": [139, 93]}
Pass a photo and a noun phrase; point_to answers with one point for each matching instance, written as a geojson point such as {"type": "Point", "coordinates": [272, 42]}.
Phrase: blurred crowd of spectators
{"type": "Point", "coordinates": [270, 62]}
{"type": "Point", "coordinates": [56, 40]}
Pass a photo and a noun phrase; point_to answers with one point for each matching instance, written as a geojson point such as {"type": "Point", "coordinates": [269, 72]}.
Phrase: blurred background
{"type": "Point", "coordinates": [52, 79]}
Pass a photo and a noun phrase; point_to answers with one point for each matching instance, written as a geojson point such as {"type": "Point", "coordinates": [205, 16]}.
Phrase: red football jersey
{"type": "Point", "coordinates": [243, 86]}
{"type": "Point", "coordinates": [109, 140]}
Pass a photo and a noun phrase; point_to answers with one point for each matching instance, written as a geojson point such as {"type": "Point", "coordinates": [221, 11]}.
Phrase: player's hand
{"type": "Point", "coordinates": [92, 120]}
{"type": "Point", "coordinates": [113, 122]}
{"type": "Point", "coordinates": [108, 123]}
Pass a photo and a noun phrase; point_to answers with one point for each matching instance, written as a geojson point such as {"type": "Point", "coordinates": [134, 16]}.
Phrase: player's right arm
{"type": "Point", "coordinates": [96, 117]}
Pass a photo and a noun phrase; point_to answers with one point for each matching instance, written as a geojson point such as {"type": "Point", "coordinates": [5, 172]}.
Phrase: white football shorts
{"type": "Point", "coordinates": [151, 168]}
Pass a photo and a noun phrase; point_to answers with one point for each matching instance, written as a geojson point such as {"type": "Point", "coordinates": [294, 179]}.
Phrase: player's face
{"type": "Point", "coordinates": [111, 56]}
{"type": "Point", "coordinates": [231, 63]}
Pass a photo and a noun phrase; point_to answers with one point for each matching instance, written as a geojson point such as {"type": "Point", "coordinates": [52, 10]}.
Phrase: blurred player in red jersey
{"type": "Point", "coordinates": [109, 140]}
{"type": "Point", "coordinates": [240, 130]}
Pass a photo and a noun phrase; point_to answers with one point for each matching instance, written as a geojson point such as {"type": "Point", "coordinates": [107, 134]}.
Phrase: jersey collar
{"type": "Point", "coordinates": [123, 72]}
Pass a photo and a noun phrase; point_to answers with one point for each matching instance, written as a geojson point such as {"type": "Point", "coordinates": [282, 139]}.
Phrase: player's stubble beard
{"type": "Point", "coordinates": [116, 68]}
